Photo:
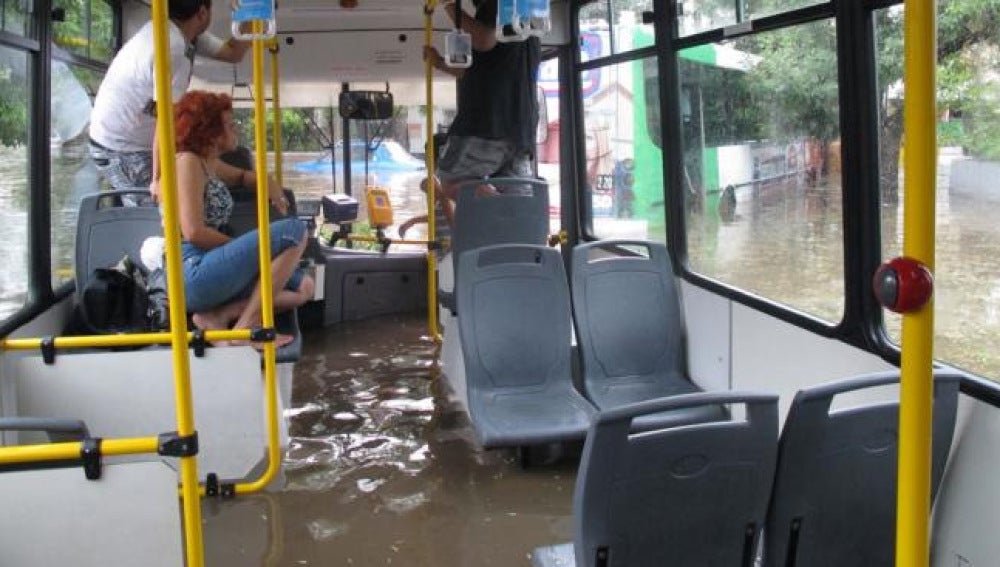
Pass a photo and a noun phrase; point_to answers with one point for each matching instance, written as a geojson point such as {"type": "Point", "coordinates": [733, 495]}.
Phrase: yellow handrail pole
{"type": "Point", "coordinates": [368, 238]}
{"type": "Point", "coordinates": [276, 111]}
{"type": "Point", "coordinates": [266, 284]}
{"type": "Point", "coordinates": [175, 281]}
{"type": "Point", "coordinates": [65, 451]}
{"type": "Point", "coordinates": [137, 339]}
{"type": "Point", "coordinates": [916, 391]}
{"type": "Point", "coordinates": [432, 307]}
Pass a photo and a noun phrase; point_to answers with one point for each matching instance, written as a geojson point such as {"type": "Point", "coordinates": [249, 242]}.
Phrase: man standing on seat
{"type": "Point", "coordinates": [123, 121]}
{"type": "Point", "coordinates": [494, 131]}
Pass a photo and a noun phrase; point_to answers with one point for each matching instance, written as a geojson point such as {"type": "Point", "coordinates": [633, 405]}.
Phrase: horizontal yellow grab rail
{"type": "Point", "coordinates": [367, 238]}
{"type": "Point", "coordinates": [71, 450]}
{"type": "Point", "coordinates": [138, 339]}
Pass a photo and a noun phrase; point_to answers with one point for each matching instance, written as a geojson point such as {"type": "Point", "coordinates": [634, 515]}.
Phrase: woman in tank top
{"type": "Point", "coordinates": [221, 273]}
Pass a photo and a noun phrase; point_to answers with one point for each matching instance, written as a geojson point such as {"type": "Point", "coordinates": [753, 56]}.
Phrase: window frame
{"type": "Point", "coordinates": [41, 51]}
{"type": "Point", "coordinates": [861, 321]}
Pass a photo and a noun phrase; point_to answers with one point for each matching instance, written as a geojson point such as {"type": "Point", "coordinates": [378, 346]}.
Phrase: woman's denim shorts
{"type": "Point", "coordinates": [224, 274]}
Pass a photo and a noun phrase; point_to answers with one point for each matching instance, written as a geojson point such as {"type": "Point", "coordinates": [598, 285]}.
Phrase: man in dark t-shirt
{"type": "Point", "coordinates": [494, 131]}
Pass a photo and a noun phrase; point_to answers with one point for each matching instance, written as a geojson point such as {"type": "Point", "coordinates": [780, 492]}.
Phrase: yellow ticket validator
{"type": "Point", "coordinates": [379, 207]}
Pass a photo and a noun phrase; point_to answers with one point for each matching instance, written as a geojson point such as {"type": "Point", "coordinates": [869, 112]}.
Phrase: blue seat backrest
{"type": "Point", "coordinates": [518, 217]}
{"type": "Point", "coordinates": [244, 216]}
{"type": "Point", "coordinates": [834, 500]}
{"type": "Point", "coordinates": [684, 495]}
{"type": "Point", "coordinates": [106, 231]}
{"type": "Point", "coordinates": [517, 331]}
{"type": "Point", "coordinates": [515, 218]}
{"type": "Point", "coordinates": [628, 316]}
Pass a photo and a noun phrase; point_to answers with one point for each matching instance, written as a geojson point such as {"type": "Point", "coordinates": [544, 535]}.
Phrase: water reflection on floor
{"type": "Point", "coordinates": [382, 470]}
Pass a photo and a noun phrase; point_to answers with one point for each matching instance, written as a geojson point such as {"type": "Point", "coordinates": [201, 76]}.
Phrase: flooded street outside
{"type": "Point", "coordinates": [382, 470]}
{"type": "Point", "coordinates": [785, 244]}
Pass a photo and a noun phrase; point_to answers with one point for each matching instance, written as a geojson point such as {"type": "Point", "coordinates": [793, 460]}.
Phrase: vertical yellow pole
{"type": "Point", "coordinates": [432, 307]}
{"type": "Point", "coordinates": [276, 111]}
{"type": "Point", "coordinates": [266, 283]}
{"type": "Point", "coordinates": [916, 396]}
{"type": "Point", "coordinates": [175, 282]}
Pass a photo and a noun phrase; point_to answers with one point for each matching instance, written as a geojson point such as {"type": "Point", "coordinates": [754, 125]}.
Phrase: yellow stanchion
{"type": "Point", "coordinates": [276, 111]}
{"type": "Point", "coordinates": [916, 393]}
{"type": "Point", "coordinates": [194, 551]}
{"type": "Point", "coordinates": [266, 284]}
{"type": "Point", "coordinates": [65, 451]}
{"type": "Point", "coordinates": [432, 308]}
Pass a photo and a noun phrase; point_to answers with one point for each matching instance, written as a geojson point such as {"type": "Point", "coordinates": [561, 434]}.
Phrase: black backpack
{"type": "Point", "coordinates": [115, 300]}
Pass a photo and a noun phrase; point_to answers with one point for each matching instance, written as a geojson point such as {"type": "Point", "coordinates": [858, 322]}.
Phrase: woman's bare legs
{"type": "Point", "coordinates": [286, 299]}
{"type": "Point", "coordinates": [281, 269]}
{"type": "Point", "coordinates": [220, 318]}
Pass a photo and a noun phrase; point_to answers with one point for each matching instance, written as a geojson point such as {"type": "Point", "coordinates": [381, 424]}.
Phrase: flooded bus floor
{"type": "Point", "coordinates": [382, 469]}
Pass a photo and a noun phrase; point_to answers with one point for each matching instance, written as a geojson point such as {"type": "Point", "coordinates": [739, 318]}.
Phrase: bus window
{"type": "Point", "coordinates": [547, 152]}
{"type": "Point", "coordinates": [622, 16]}
{"type": "Point", "coordinates": [761, 174]}
{"type": "Point", "coordinates": [87, 28]}
{"type": "Point", "coordinates": [14, 17]}
{"type": "Point", "coordinates": [624, 168]}
{"type": "Point", "coordinates": [967, 275]}
{"type": "Point", "coordinates": [72, 172]}
{"type": "Point", "coordinates": [701, 15]}
{"type": "Point", "coordinates": [14, 179]}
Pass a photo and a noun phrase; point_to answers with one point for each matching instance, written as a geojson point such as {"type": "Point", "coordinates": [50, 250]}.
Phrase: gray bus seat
{"type": "Point", "coordinates": [57, 430]}
{"type": "Point", "coordinates": [518, 217]}
{"type": "Point", "coordinates": [244, 216]}
{"type": "Point", "coordinates": [241, 157]}
{"type": "Point", "coordinates": [107, 230]}
{"type": "Point", "coordinates": [629, 329]}
{"type": "Point", "coordinates": [834, 499]}
{"type": "Point", "coordinates": [243, 220]}
{"type": "Point", "coordinates": [515, 331]}
{"type": "Point", "coordinates": [677, 496]}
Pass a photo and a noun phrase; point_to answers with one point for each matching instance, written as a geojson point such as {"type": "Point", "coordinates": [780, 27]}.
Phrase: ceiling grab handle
{"type": "Point", "coordinates": [248, 12]}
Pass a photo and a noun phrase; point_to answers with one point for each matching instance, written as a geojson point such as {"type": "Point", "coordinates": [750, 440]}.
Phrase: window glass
{"type": "Point", "coordinates": [967, 274]}
{"type": "Point", "coordinates": [624, 168]}
{"type": "Point", "coordinates": [73, 173]}
{"type": "Point", "coordinates": [102, 30]}
{"type": "Point", "coordinates": [760, 133]}
{"type": "Point", "coordinates": [702, 15]}
{"type": "Point", "coordinates": [624, 17]}
{"type": "Point", "coordinates": [395, 161]}
{"type": "Point", "coordinates": [14, 180]}
{"type": "Point", "coordinates": [86, 30]}
{"type": "Point", "coordinates": [14, 16]}
{"type": "Point", "coordinates": [548, 138]}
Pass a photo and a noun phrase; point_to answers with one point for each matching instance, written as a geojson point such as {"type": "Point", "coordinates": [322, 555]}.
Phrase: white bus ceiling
{"type": "Point", "coordinates": [326, 45]}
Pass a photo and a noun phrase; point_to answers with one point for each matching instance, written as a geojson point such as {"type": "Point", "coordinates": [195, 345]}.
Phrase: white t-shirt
{"type": "Point", "coordinates": [120, 120]}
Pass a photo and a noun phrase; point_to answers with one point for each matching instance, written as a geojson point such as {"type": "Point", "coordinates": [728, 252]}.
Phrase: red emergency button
{"type": "Point", "coordinates": [903, 285]}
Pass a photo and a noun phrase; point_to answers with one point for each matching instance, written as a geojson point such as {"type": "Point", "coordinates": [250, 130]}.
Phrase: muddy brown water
{"type": "Point", "coordinates": [382, 469]}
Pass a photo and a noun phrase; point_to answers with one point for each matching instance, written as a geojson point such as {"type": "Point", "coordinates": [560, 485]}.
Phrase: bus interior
{"type": "Point", "coordinates": [677, 344]}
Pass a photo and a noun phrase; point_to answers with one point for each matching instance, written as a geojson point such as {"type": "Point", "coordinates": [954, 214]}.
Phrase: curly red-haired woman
{"type": "Point", "coordinates": [221, 273]}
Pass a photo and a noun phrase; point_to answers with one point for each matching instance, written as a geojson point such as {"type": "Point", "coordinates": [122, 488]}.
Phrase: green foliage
{"type": "Point", "coordinates": [794, 82]}
{"type": "Point", "coordinates": [950, 133]}
{"type": "Point", "coordinates": [13, 98]}
{"type": "Point", "coordinates": [87, 28]}
{"type": "Point", "coordinates": [297, 133]}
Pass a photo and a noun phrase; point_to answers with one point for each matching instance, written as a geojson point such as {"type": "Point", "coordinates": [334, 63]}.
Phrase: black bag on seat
{"type": "Point", "coordinates": [115, 300]}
